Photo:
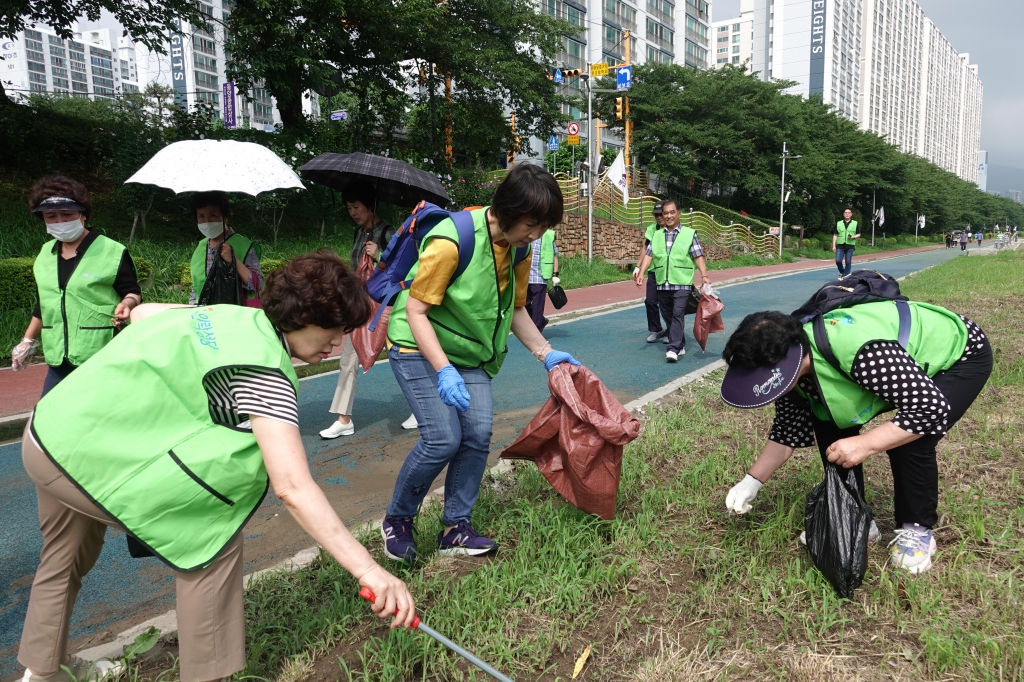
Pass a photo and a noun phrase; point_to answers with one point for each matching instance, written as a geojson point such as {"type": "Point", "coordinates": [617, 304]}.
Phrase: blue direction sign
{"type": "Point", "coordinates": [339, 115]}
{"type": "Point", "coordinates": [558, 78]}
{"type": "Point", "coordinates": [624, 78]}
{"type": "Point", "coordinates": [553, 144]}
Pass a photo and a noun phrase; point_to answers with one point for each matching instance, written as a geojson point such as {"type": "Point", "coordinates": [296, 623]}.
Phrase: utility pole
{"type": "Point", "coordinates": [782, 191]}
{"type": "Point", "coordinates": [873, 216]}
{"type": "Point", "coordinates": [627, 124]}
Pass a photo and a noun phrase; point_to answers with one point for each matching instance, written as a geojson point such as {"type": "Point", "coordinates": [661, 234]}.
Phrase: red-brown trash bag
{"type": "Point", "coordinates": [708, 319]}
{"type": "Point", "coordinates": [369, 344]}
{"type": "Point", "coordinates": [576, 439]}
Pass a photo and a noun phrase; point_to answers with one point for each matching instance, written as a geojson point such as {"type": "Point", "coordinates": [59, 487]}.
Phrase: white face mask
{"type": "Point", "coordinates": [212, 230]}
{"type": "Point", "coordinates": [68, 231]}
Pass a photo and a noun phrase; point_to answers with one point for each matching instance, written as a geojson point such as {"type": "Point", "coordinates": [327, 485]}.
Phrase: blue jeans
{"type": "Point", "coordinates": [458, 440]}
{"type": "Point", "coordinates": [847, 254]}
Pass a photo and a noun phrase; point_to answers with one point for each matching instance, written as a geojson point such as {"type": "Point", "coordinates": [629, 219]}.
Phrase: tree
{"type": "Point", "coordinates": [495, 52]}
{"type": "Point", "coordinates": [146, 22]}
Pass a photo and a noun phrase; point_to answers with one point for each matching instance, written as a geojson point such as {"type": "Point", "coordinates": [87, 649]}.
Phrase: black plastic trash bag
{"type": "Point", "coordinates": [221, 284]}
{"type": "Point", "coordinates": [837, 521]}
{"type": "Point", "coordinates": [557, 296]}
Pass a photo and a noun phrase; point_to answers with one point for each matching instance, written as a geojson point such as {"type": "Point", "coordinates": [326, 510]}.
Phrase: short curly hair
{"type": "Point", "coordinates": [59, 186]}
{"type": "Point", "coordinates": [316, 289]}
{"type": "Point", "coordinates": [528, 192]}
{"type": "Point", "coordinates": [763, 339]}
{"type": "Point", "coordinates": [213, 198]}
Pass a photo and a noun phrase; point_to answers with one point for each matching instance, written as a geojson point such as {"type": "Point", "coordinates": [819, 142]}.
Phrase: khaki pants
{"type": "Point", "coordinates": [345, 393]}
{"type": "Point", "coordinates": [210, 607]}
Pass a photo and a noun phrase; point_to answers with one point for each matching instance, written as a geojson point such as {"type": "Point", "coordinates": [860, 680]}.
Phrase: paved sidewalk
{"type": "Point", "coordinates": [20, 390]}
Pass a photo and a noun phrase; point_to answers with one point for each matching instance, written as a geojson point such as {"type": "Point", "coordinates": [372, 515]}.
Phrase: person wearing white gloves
{"type": "Point", "coordinates": [75, 316]}
{"type": "Point", "coordinates": [543, 267]}
{"type": "Point", "coordinates": [828, 382]}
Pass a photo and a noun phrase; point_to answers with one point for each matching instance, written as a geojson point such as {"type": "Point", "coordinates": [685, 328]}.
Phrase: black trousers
{"type": "Point", "coordinates": [54, 375]}
{"type": "Point", "coordinates": [673, 309]}
{"type": "Point", "coordinates": [651, 303]}
{"type": "Point", "coordinates": [536, 295]}
{"type": "Point", "coordinates": [915, 471]}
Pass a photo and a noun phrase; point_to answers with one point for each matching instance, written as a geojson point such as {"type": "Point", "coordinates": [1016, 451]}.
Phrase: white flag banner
{"type": "Point", "coordinates": [922, 222]}
{"type": "Point", "coordinates": [881, 216]}
{"type": "Point", "coordinates": [617, 176]}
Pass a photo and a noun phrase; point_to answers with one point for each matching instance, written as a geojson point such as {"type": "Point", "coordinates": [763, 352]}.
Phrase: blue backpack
{"type": "Point", "coordinates": [389, 279]}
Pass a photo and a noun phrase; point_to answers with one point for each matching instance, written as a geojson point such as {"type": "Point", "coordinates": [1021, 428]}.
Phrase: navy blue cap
{"type": "Point", "coordinates": [749, 387]}
{"type": "Point", "coordinates": [58, 203]}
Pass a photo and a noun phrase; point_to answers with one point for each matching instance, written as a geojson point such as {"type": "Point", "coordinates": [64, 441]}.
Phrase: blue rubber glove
{"type": "Point", "coordinates": [452, 389]}
{"type": "Point", "coordinates": [557, 357]}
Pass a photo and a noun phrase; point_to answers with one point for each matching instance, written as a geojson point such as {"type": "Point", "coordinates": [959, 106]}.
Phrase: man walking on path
{"type": "Point", "coordinates": [844, 241]}
{"type": "Point", "coordinates": [651, 299]}
{"type": "Point", "coordinates": [673, 272]}
{"type": "Point", "coordinates": [963, 240]}
{"type": "Point", "coordinates": [543, 267]}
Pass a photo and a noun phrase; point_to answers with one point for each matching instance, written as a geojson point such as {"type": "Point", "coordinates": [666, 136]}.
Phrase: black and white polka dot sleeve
{"type": "Point", "coordinates": [792, 424]}
{"type": "Point", "coordinates": [888, 371]}
{"type": "Point", "coordinates": [976, 338]}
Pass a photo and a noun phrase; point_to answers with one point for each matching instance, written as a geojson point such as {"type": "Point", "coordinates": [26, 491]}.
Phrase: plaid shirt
{"type": "Point", "coordinates": [535, 277]}
{"type": "Point", "coordinates": [670, 239]}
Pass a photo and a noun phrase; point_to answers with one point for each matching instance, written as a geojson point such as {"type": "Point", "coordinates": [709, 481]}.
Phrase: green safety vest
{"type": "Point", "coordinates": [675, 266]}
{"type": "Point", "coordinates": [937, 341]}
{"type": "Point", "coordinates": [649, 233]}
{"type": "Point", "coordinates": [76, 319]}
{"type": "Point", "coordinates": [547, 254]}
{"type": "Point", "coordinates": [472, 323]}
{"type": "Point", "coordinates": [132, 429]}
{"type": "Point", "coordinates": [845, 234]}
{"type": "Point", "coordinates": [239, 244]}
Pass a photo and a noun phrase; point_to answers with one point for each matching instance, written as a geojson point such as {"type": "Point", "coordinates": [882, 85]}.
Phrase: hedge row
{"type": "Point", "coordinates": [18, 284]}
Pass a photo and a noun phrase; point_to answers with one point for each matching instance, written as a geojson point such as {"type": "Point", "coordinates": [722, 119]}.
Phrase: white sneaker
{"type": "Point", "coordinates": [874, 535]}
{"type": "Point", "coordinates": [912, 549]}
{"type": "Point", "coordinates": [338, 429]}
{"type": "Point", "coordinates": [671, 356]}
{"type": "Point", "coordinates": [410, 423]}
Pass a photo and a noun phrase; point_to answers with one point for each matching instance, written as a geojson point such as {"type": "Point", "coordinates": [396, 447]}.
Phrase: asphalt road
{"type": "Point", "coordinates": [357, 472]}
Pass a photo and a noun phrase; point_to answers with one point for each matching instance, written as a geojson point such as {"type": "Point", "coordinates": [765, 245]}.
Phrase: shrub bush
{"type": "Point", "coordinates": [144, 269]}
{"type": "Point", "coordinates": [17, 284]}
{"type": "Point", "coordinates": [811, 243]}
{"type": "Point", "coordinates": [183, 275]}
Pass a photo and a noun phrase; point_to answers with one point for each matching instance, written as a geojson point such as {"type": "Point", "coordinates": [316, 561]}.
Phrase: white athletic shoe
{"type": "Point", "coordinates": [410, 423]}
{"type": "Point", "coordinates": [874, 535]}
{"type": "Point", "coordinates": [671, 356]}
{"type": "Point", "coordinates": [912, 549]}
{"type": "Point", "coordinates": [338, 429]}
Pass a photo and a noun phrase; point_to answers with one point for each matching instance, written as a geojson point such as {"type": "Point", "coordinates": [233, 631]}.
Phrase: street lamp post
{"type": "Point", "coordinates": [590, 167]}
{"type": "Point", "coordinates": [782, 191]}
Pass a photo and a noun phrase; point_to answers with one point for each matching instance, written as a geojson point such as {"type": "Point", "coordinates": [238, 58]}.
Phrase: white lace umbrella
{"type": "Point", "coordinates": [224, 165]}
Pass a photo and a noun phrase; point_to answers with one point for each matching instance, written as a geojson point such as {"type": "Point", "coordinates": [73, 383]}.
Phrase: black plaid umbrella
{"type": "Point", "coordinates": [396, 182]}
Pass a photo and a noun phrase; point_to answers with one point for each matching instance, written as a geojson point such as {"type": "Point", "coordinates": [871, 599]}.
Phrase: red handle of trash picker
{"type": "Point", "coordinates": [367, 594]}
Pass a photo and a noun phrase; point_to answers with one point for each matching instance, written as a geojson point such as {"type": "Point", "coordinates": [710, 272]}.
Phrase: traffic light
{"type": "Point", "coordinates": [618, 108]}
{"type": "Point", "coordinates": [572, 73]}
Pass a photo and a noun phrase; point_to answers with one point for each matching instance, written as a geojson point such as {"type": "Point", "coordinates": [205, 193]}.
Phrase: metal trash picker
{"type": "Point", "coordinates": [367, 594]}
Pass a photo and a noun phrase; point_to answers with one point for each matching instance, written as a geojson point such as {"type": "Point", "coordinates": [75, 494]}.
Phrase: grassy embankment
{"type": "Point", "coordinates": [674, 588]}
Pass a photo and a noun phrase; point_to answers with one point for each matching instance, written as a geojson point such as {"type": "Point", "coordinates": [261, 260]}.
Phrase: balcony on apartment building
{"type": "Point", "coordinates": [699, 8]}
{"type": "Point", "coordinates": [662, 11]}
{"type": "Point", "coordinates": [623, 16]}
{"type": "Point", "coordinates": [696, 37]}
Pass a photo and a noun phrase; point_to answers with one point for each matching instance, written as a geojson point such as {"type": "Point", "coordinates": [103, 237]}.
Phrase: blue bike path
{"type": "Point", "coordinates": [610, 344]}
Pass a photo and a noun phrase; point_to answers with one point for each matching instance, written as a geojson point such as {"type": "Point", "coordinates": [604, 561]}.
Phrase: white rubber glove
{"type": "Point", "coordinates": [636, 272]}
{"type": "Point", "coordinates": [21, 353]}
{"type": "Point", "coordinates": [742, 494]}
{"type": "Point", "coordinates": [555, 281]}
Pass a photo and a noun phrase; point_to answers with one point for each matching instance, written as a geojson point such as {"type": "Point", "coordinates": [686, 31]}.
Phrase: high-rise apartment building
{"type": "Point", "coordinates": [89, 66]}
{"type": "Point", "coordinates": [881, 63]}
{"type": "Point", "coordinates": [734, 40]}
{"type": "Point", "coordinates": [660, 31]}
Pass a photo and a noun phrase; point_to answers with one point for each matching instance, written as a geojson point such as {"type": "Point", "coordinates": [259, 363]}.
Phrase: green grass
{"type": "Point", "coordinates": [576, 272]}
{"type": "Point", "coordinates": [749, 260]}
{"type": "Point", "coordinates": [890, 245]}
{"type": "Point", "coordinates": [674, 588]}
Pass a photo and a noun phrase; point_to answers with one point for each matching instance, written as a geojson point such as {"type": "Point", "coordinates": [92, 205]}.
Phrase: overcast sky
{"type": "Point", "coordinates": [990, 30]}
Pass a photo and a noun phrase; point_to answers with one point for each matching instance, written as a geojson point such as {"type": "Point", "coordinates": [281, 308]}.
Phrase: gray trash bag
{"type": "Point", "coordinates": [837, 521]}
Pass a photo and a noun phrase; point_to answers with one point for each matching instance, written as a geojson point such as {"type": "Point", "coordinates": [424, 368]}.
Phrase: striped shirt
{"type": "Point", "coordinates": [236, 394]}
{"type": "Point", "coordinates": [670, 238]}
{"type": "Point", "coordinates": [535, 277]}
